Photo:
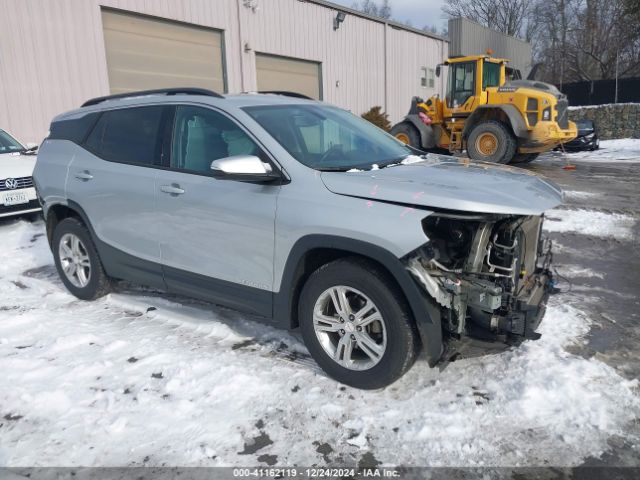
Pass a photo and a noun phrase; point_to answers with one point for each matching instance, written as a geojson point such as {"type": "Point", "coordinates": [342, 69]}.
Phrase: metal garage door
{"type": "Point", "coordinates": [282, 73]}
{"type": "Point", "coordinates": [145, 53]}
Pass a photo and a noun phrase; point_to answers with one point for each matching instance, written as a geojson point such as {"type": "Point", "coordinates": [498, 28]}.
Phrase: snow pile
{"type": "Point", "coordinates": [590, 222]}
{"type": "Point", "coordinates": [624, 150]}
{"type": "Point", "coordinates": [577, 271]}
{"type": "Point", "coordinates": [136, 379]}
{"type": "Point", "coordinates": [578, 195]}
{"type": "Point", "coordinates": [582, 107]}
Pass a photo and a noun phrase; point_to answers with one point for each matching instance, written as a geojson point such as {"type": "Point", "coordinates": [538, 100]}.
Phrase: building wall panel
{"type": "Point", "coordinates": [470, 38]}
{"type": "Point", "coordinates": [52, 53]}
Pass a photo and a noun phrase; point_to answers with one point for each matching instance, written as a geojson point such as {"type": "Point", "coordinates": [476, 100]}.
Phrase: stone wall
{"type": "Point", "coordinates": [620, 120]}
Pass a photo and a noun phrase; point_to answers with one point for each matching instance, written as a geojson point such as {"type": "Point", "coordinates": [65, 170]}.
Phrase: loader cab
{"type": "Point", "coordinates": [462, 84]}
{"type": "Point", "coordinates": [469, 78]}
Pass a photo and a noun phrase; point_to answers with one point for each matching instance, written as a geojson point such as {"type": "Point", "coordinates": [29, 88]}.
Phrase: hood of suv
{"type": "Point", "coordinates": [15, 165]}
{"type": "Point", "coordinates": [442, 182]}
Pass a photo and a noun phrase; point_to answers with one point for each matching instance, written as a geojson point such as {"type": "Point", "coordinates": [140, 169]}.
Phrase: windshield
{"type": "Point", "coordinates": [328, 138]}
{"type": "Point", "coordinates": [8, 144]}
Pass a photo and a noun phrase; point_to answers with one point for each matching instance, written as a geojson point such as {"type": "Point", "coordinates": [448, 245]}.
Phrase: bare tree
{"type": "Point", "coordinates": [384, 11]}
{"type": "Point", "coordinates": [371, 7]}
{"type": "Point", "coordinates": [574, 39]}
{"type": "Point", "coordinates": [586, 40]}
{"type": "Point", "coordinates": [506, 16]}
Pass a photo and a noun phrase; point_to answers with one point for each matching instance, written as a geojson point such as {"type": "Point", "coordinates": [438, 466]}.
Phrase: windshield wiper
{"type": "Point", "coordinates": [335, 169]}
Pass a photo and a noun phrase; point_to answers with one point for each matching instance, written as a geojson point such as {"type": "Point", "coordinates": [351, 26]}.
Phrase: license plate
{"type": "Point", "coordinates": [14, 199]}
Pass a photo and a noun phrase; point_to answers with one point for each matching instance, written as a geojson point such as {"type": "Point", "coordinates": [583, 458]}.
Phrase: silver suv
{"type": "Point", "coordinates": [299, 212]}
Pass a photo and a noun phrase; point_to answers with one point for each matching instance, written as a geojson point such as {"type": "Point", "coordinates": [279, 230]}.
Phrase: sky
{"type": "Point", "coordinates": [418, 12]}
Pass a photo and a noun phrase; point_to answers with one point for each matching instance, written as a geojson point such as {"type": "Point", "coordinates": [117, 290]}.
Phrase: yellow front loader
{"type": "Point", "coordinates": [493, 118]}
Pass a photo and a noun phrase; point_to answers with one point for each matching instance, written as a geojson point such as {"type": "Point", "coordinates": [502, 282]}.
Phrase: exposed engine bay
{"type": "Point", "coordinates": [489, 274]}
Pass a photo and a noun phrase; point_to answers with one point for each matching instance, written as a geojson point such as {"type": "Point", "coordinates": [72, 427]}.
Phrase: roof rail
{"type": "Point", "coordinates": [287, 94]}
{"type": "Point", "coordinates": [161, 91]}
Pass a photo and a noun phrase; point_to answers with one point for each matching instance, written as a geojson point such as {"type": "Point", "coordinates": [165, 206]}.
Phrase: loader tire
{"type": "Point", "coordinates": [407, 133]}
{"type": "Point", "coordinates": [491, 141]}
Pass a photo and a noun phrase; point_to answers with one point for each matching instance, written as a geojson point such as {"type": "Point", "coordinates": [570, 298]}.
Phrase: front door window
{"type": "Point", "coordinates": [202, 135]}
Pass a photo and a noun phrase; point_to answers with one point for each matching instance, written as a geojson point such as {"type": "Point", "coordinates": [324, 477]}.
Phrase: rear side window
{"type": "Point", "coordinates": [75, 130]}
{"type": "Point", "coordinates": [130, 135]}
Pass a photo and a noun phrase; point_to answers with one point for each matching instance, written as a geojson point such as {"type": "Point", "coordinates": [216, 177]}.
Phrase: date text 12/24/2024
{"type": "Point", "coordinates": [316, 472]}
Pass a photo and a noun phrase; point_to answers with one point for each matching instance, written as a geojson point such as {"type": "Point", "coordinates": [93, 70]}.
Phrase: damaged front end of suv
{"type": "Point", "coordinates": [479, 258]}
{"type": "Point", "coordinates": [488, 273]}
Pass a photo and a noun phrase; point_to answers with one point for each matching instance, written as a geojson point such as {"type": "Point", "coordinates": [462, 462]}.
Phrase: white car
{"type": "Point", "coordinates": [17, 194]}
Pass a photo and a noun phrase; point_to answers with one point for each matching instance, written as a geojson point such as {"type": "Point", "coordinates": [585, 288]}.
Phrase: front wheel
{"type": "Point", "coordinates": [491, 141]}
{"type": "Point", "coordinates": [356, 324]}
{"type": "Point", "coordinates": [77, 260]}
{"type": "Point", "coordinates": [407, 134]}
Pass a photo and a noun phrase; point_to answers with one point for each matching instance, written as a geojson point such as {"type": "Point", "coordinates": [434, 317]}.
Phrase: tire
{"type": "Point", "coordinates": [361, 280]}
{"type": "Point", "coordinates": [407, 133]}
{"type": "Point", "coordinates": [93, 282]}
{"type": "Point", "coordinates": [492, 131]}
{"type": "Point", "coordinates": [525, 157]}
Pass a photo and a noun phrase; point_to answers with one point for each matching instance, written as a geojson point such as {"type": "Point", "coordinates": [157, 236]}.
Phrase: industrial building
{"type": "Point", "coordinates": [56, 54]}
{"type": "Point", "coordinates": [470, 38]}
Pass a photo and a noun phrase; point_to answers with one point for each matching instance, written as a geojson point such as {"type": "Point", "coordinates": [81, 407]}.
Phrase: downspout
{"type": "Point", "coordinates": [240, 47]}
{"type": "Point", "coordinates": [386, 69]}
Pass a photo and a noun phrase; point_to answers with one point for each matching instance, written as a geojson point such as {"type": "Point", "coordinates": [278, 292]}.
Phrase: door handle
{"type": "Point", "coordinates": [84, 176]}
{"type": "Point", "coordinates": [173, 189]}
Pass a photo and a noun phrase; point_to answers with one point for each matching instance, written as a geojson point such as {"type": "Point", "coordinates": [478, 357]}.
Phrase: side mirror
{"type": "Point", "coordinates": [32, 148]}
{"type": "Point", "coordinates": [244, 168]}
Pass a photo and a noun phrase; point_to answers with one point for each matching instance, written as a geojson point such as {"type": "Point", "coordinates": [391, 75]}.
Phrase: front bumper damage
{"type": "Point", "coordinates": [489, 275]}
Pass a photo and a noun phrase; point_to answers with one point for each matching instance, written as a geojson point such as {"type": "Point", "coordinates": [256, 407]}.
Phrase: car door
{"type": "Point", "coordinates": [113, 181]}
{"type": "Point", "coordinates": [216, 235]}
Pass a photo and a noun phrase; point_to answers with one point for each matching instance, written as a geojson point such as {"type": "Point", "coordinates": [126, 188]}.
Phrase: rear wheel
{"type": "Point", "coordinates": [77, 260]}
{"type": "Point", "coordinates": [357, 325]}
{"type": "Point", "coordinates": [491, 141]}
{"type": "Point", "coordinates": [407, 133]}
{"type": "Point", "coordinates": [525, 157]}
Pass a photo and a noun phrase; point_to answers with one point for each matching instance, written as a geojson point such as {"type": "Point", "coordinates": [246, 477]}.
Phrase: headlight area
{"type": "Point", "coordinates": [489, 274]}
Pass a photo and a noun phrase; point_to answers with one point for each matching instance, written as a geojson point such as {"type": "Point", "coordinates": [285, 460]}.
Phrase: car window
{"type": "Point", "coordinates": [328, 138]}
{"type": "Point", "coordinates": [128, 135]}
{"type": "Point", "coordinates": [8, 144]}
{"type": "Point", "coordinates": [202, 135]}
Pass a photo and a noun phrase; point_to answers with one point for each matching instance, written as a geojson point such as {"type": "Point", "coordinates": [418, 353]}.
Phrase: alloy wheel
{"type": "Point", "coordinates": [74, 260]}
{"type": "Point", "coordinates": [350, 328]}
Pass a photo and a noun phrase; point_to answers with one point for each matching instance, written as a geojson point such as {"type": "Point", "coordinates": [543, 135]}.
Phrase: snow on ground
{"type": "Point", "coordinates": [625, 150]}
{"type": "Point", "coordinates": [582, 107]}
{"type": "Point", "coordinates": [578, 195]}
{"type": "Point", "coordinates": [575, 271]}
{"type": "Point", "coordinates": [590, 222]}
{"type": "Point", "coordinates": [113, 382]}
